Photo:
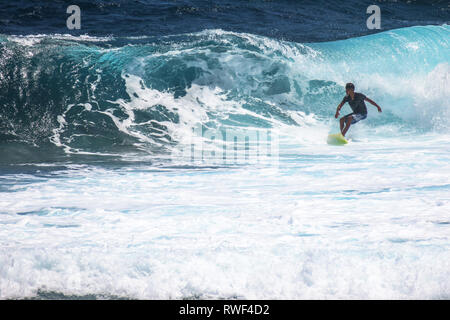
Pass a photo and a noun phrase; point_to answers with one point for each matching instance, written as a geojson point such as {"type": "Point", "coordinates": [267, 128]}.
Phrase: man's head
{"type": "Point", "coordinates": [349, 87]}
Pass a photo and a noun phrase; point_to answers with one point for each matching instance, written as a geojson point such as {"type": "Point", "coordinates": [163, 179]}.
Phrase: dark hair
{"type": "Point", "coordinates": [350, 86]}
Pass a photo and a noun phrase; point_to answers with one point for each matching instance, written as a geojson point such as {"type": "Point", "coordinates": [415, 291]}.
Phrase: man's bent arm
{"type": "Point", "coordinates": [374, 103]}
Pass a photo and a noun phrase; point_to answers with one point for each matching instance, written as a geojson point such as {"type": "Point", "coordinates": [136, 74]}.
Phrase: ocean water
{"type": "Point", "coordinates": [177, 149]}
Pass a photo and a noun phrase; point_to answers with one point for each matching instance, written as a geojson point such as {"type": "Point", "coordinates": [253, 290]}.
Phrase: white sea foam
{"type": "Point", "coordinates": [31, 40]}
{"type": "Point", "coordinates": [365, 221]}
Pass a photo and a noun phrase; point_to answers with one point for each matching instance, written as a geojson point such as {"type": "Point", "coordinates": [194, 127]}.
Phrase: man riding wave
{"type": "Point", "coordinates": [356, 102]}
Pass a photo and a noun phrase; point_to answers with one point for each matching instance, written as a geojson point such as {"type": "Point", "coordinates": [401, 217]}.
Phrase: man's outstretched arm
{"type": "Point", "coordinates": [374, 103]}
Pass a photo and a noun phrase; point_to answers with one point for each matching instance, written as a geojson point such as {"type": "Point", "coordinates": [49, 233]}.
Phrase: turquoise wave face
{"type": "Point", "coordinates": [114, 95]}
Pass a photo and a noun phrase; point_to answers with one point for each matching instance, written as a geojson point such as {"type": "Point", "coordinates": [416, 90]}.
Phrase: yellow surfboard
{"type": "Point", "coordinates": [336, 139]}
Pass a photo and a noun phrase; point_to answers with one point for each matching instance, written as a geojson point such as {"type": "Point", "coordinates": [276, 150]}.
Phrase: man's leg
{"type": "Point", "coordinates": [348, 122]}
{"type": "Point", "coordinates": [341, 122]}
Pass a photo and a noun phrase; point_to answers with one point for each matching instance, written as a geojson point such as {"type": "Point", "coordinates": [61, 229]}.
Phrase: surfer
{"type": "Point", "coordinates": [356, 102]}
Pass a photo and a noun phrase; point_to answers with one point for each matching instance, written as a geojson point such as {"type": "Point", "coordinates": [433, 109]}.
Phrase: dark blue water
{"type": "Point", "coordinates": [300, 21]}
